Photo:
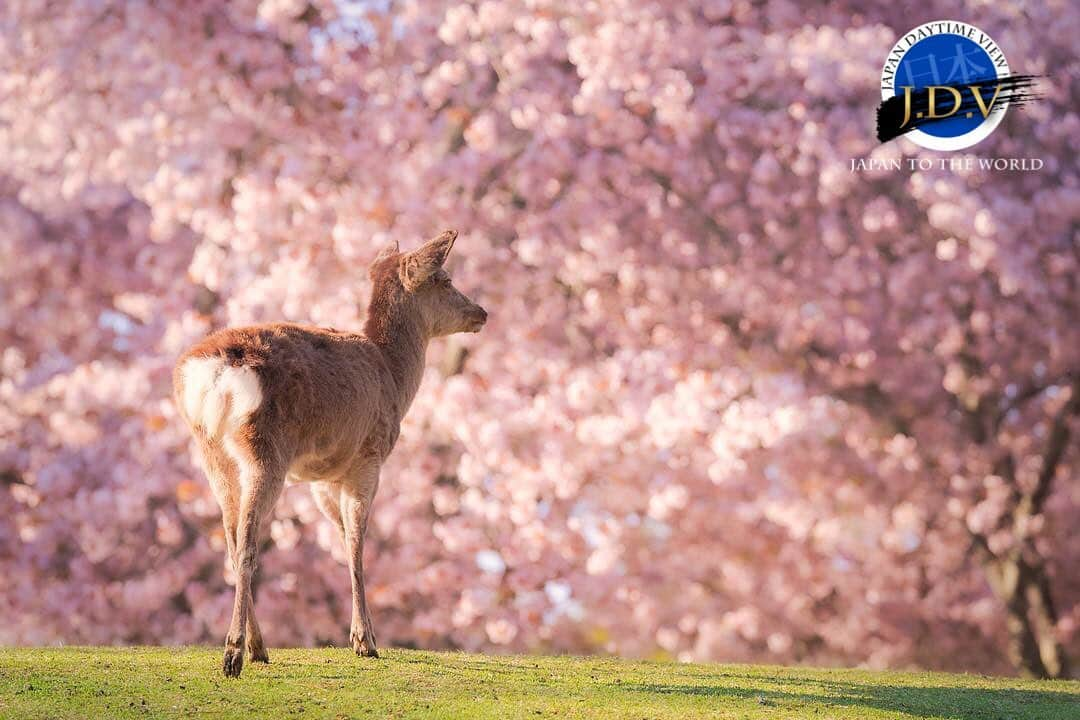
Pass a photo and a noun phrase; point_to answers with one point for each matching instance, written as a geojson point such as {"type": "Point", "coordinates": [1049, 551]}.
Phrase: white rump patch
{"type": "Point", "coordinates": [199, 375]}
{"type": "Point", "coordinates": [219, 397]}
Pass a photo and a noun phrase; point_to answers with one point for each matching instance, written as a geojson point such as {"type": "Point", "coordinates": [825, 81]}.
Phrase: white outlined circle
{"type": "Point", "coordinates": [904, 44]}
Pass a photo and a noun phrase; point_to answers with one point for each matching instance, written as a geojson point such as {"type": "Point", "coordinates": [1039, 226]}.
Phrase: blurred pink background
{"type": "Point", "coordinates": [735, 402]}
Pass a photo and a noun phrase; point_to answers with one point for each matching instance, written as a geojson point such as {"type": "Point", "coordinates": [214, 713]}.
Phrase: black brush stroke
{"type": "Point", "coordinates": [1015, 90]}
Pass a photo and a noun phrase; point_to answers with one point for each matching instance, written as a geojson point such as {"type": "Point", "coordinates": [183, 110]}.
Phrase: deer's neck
{"type": "Point", "coordinates": [403, 341]}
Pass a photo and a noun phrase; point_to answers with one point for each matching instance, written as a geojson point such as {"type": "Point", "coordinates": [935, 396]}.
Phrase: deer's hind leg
{"type": "Point", "coordinates": [261, 478]}
{"type": "Point", "coordinates": [326, 497]}
{"type": "Point", "coordinates": [223, 475]}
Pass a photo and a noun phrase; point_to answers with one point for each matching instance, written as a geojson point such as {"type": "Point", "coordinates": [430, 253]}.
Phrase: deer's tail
{"type": "Point", "coordinates": [217, 396]}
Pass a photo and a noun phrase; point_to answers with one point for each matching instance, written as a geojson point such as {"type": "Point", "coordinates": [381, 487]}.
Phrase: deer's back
{"type": "Point", "coordinates": [314, 396]}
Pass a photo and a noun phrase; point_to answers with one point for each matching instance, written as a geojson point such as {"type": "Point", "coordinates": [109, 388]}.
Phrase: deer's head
{"type": "Point", "coordinates": [416, 283]}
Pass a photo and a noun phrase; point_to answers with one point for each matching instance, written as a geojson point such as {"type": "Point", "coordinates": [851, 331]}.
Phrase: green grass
{"type": "Point", "coordinates": [334, 683]}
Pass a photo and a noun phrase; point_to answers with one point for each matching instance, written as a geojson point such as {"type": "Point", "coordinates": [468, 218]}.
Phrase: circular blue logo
{"type": "Point", "coordinates": [946, 60]}
{"type": "Point", "coordinates": [946, 71]}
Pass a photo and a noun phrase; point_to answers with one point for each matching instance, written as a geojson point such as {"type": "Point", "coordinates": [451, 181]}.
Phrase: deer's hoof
{"type": "Point", "coordinates": [234, 662]}
{"type": "Point", "coordinates": [365, 647]}
{"type": "Point", "coordinates": [260, 655]}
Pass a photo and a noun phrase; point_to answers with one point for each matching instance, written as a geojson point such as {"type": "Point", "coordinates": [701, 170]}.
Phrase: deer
{"type": "Point", "coordinates": [283, 401]}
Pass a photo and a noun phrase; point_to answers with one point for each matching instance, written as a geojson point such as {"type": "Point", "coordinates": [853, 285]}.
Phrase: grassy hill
{"type": "Point", "coordinates": [334, 683]}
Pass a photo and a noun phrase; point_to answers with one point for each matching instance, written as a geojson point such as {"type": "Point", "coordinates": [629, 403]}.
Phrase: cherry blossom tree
{"type": "Point", "coordinates": [734, 401]}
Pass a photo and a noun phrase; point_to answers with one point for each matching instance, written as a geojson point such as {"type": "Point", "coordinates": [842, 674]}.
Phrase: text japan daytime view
{"type": "Point", "coordinates": [504, 359]}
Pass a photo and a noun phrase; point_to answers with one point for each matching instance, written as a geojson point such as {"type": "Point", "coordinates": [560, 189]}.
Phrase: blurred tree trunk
{"type": "Point", "coordinates": [1019, 577]}
{"type": "Point", "coordinates": [1030, 617]}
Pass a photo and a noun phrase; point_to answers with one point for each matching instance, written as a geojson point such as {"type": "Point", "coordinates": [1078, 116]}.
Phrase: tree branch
{"type": "Point", "coordinates": [1056, 445]}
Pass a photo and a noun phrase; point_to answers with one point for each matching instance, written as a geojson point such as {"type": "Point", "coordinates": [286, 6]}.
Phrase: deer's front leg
{"type": "Point", "coordinates": [356, 500]}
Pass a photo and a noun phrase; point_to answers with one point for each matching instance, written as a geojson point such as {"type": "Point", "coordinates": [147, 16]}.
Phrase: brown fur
{"type": "Point", "coordinates": [330, 410]}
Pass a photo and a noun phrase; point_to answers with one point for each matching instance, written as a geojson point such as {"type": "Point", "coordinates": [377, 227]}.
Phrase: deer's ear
{"type": "Point", "coordinates": [387, 251]}
{"type": "Point", "coordinates": [422, 263]}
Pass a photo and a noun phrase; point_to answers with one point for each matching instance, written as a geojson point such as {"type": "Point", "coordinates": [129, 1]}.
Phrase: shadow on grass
{"type": "Point", "coordinates": [954, 703]}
